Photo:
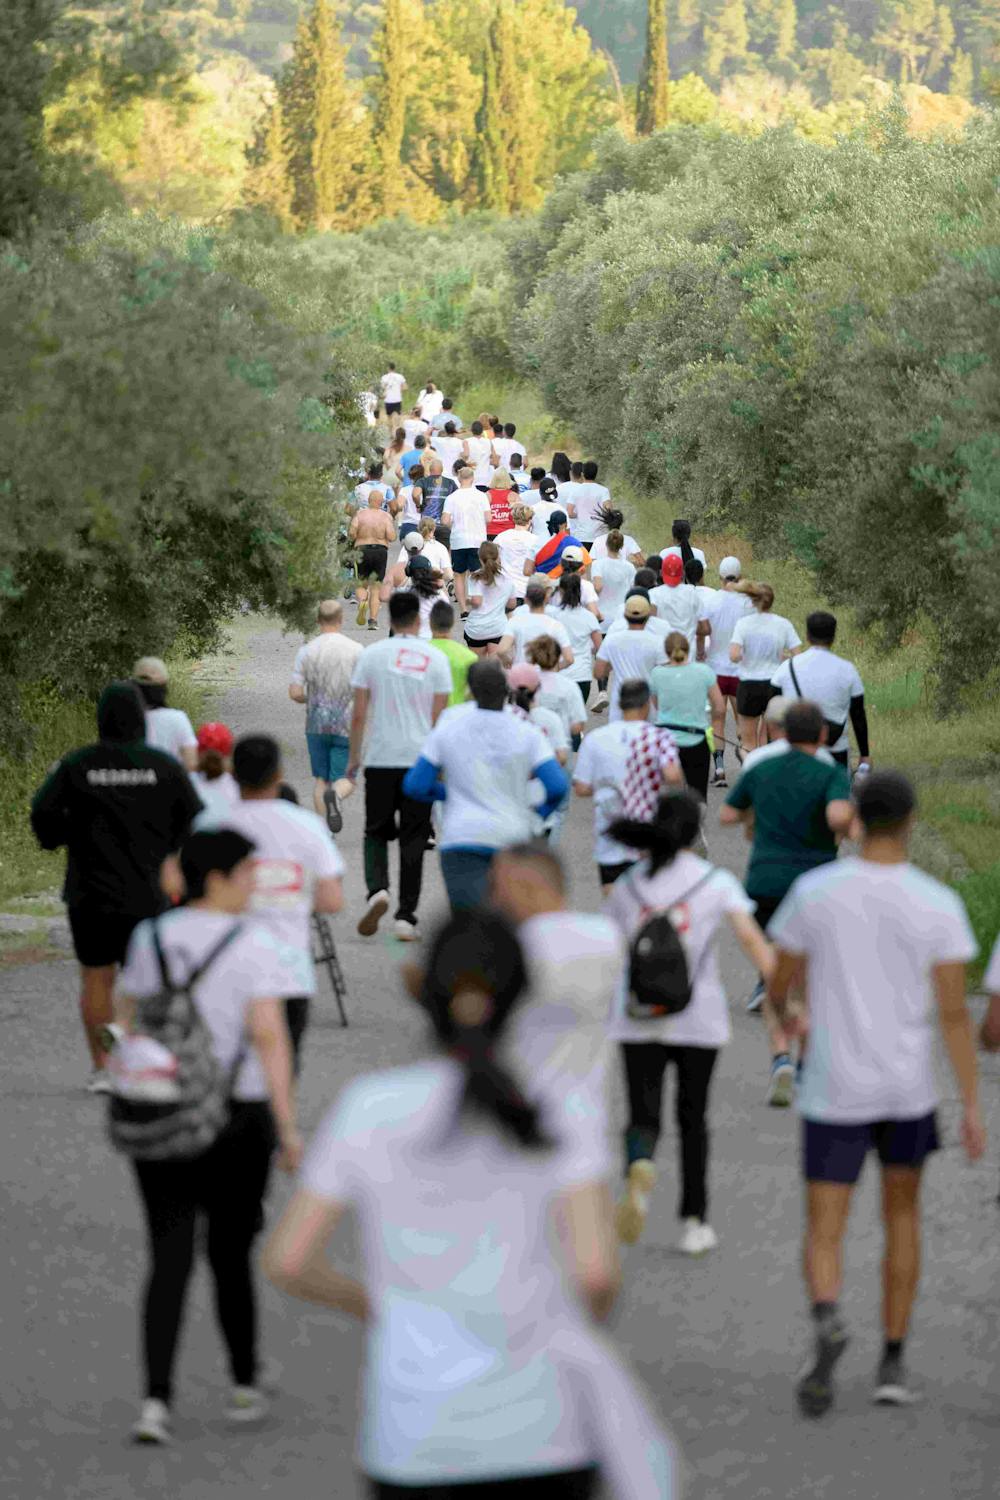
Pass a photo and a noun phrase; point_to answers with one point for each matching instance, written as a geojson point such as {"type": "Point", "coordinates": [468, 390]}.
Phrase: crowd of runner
{"type": "Point", "coordinates": [534, 653]}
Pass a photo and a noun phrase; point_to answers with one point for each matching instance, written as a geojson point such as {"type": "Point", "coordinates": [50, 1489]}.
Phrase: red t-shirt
{"type": "Point", "coordinates": [500, 517]}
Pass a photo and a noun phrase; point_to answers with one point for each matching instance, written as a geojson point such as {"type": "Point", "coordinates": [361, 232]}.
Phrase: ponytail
{"type": "Point", "coordinates": [477, 953]}
{"type": "Point", "coordinates": [615, 543]}
{"type": "Point", "coordinates": [570, 591]}
{"type": "Point", "coordinates": [762, 594]}
{"type": "Point", "coordinates": [682, 536]}
{"type": "Point", "coordinates": [524, 698]}
{"type": "Point", "coordinates": [490, 569]}
{"type": "Point", "coordinates": [675, 826]}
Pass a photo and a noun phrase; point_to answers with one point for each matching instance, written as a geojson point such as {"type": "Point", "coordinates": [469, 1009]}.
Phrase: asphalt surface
{"type": "Point", "coordinates": [719, 1341]}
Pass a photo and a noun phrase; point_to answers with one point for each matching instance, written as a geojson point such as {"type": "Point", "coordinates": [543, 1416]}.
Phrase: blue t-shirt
{"type": "Point", "coordinates": [415, 456]}
{"type": "Point", "coordinates": [443, 418]}
{"type": "Point", "coordinates": [681, 694]}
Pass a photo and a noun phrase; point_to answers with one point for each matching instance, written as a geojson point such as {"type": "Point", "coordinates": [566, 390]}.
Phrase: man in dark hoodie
{"type": "Point", "coordinates": [120, 808]}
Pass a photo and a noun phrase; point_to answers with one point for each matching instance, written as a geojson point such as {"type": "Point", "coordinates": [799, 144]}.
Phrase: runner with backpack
{"type": "Point", "coordinates": [671, 1009]}
{"type": "Point", "coordinates": [201, 1095]}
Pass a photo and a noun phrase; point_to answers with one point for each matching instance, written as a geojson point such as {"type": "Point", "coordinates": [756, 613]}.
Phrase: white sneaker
{"type": "Point", "coordinates": [153, 1425]}
{"type": "Point", "coordinates": [781, 1086]}
{"type": "Point", "coordinates": [406, 932]}
{"type": "Point", "coordinates": [600, 703]}
{"type": "Point", "coordinates": [378, 905]}
{"type": "Point", "coordinates": [99, 1082]}
{"type": "Point", "coordinates": [697, 1238]}
{"type": "Point", "coordinates": [246, 1405]}
{"type": "Point", "coordinates": [630, 1215]}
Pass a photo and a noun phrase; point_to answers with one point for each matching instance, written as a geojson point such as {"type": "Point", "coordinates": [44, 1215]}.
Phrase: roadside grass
{"type": "Point", "coordinates": [59, 725]}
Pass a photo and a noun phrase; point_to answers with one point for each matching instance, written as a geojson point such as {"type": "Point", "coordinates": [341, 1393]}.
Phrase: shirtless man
{"type": "Point", "coordinates": [372, 531]}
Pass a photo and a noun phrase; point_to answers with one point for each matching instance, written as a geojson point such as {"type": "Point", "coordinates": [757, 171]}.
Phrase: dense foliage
{"type": "Point", "coordinates": [798, 344]}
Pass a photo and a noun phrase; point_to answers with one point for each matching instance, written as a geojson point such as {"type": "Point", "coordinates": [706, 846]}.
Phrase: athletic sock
{"type": "Point", "coordinates": [825, 1313]}
{"type": "Point", "coordinates": [893, 1349]}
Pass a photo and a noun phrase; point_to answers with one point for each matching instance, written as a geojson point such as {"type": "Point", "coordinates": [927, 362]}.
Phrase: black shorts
{"type": "Point", "coordinates": [100, 938]}
{"type": "Point", "coordinates": [393, 408]}
{"type": "Point", "coordinates": [835, 1152]}
{"type": "Point", "coordinates": [372, 562]}
{"type": "Point", "coordinates": [610, 873]}
{"type": "Point", "coordinates": [753, 697]}
{"type": "Point", "coordinates": [492, 640]}
{"type": "Point", "coordinates": [573, 1484]}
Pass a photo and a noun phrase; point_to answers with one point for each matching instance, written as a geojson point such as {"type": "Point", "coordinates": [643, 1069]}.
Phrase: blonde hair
{"type": "Point", "coordinates": [461, 473]}
{"type": "Point", "coordinates": [489, 556]}
{"type": "Point", "coordinates": [676, 641]}
{"type": "Point", "coordinates": [500, 480]}
{"type": "Point", "coordinates": [762, 594]}
{"type": "Point", "coordinates": [428, 526]}
{"type": "Point", "coordinates": [330, 612]}
{"type": "Point", "coordinates": [544, 651]}
{"type": "Point", "coordinates": [521, 514]}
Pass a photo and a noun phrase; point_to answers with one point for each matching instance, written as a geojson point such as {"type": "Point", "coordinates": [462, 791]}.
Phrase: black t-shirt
{"type": "Point", "coordinates": [435, 489]}
{"type": "Point", "coordinates": [119, 810]}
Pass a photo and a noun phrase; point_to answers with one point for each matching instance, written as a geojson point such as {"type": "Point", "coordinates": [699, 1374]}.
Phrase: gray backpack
{"type": "Point", "coordinates": [188, 1124]}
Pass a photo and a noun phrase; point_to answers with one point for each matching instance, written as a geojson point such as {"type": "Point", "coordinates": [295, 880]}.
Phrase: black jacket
{"type": "Point", "coordinates": [119, 807]}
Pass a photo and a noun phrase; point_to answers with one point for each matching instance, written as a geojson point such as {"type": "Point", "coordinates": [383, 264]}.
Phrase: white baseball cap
{"type": "Point", "coordinates": [729, 567]}
{"type": "Point", "coordinates": [413, 541]}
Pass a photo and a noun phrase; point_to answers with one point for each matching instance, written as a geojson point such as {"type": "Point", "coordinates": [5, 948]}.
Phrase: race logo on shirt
{"type": "Point", "coordinates": [277, 882]}
{"type": "Point", "coordinates": [412, 663]}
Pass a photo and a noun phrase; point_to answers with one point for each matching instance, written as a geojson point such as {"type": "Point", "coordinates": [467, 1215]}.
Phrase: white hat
{"type": "Point", "coordinates": [413, 541]}
{"type": "Point", "coordinates": [729, 567]}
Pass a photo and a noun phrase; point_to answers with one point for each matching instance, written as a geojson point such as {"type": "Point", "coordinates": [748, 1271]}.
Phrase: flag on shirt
{"type": "Point", "coordinates": [548, 560]}
{"type": "Point", "coordinates": [650, 754]}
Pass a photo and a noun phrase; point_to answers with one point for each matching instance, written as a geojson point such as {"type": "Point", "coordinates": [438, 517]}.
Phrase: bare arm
{"type": "Point", "coordinates": [329, 895]}
{"type": "Point", "coordinates": [189, 757]}
{"type": "Point", "coordinates": [787, 972]}
{"type": "Point", "coordinates": [593, 1255]}
{"type": "Point", "coordinates": [956, 1026]}
{"type": "Point", "coordinates": [295, 1259]}
{"type": "Point", "coordinates": [602, 671]}
{"type": "Point", "coordinates": [753, 942]}
{"type": "Point", "coordinates": [839, 815]}
{"type": "Point", "coordinates": [583, 789]}
{"type": "Point", "coordinates": [735, 652]}
{"type": "Point", "coordinates": [297, 692]}
{"type": "Point", "coordinates": [359, 718]}
{"type": "Point", "coordinates": [730, 816]}
{"type": "Point", "coordinates": [989, 1034]}
{"type": "Point", "coordinates": [269, 1035]}
{"type": "Point", "coordinates": [674, 775]}
{"type": "Point", "coordinates": [715, 699]}
{"type": "Point", "coordinates": [439, 705]}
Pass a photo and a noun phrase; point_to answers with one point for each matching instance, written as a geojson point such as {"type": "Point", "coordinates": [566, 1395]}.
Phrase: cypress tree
{"type": "Point", "coordinates": [390, 99]}
{"type": "Point", "coordinates": [489, 162]}
{"type": "Point", "coordinates": [269, 183]}
{"type": "Point", "coordinates": [653, 99]}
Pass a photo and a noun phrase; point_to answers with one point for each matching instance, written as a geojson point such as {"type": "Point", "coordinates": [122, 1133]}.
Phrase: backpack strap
{"type": "Point", "coordinates": [161, 960]}
{"type": "Point", "coordinates": [795, 680]}
{"type": "Point", "coordinates": [213, 953]}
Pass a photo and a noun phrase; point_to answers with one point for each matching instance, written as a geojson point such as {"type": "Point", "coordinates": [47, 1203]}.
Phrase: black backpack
{"type": "Point", "coordinates": [188, 1125]}
{"type": "Point", "coordinates": [659, 979]}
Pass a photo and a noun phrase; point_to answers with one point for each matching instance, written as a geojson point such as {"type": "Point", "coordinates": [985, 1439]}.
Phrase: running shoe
{"type": "Point", "coordinates": [891, 1385]}
{"type": "Point", "coordinates": [378, 905]}
{"type": "Point", "coordinates": [756, 998]}
{"type": "Point", "coordinates": [372, 624]}
{"type": "Point", "coordinates": [600, 703]}
{"type": "Point", "coordinates": [630, 1215]}
{"type": "Point", "coordinates": [431, 843]}
{"type": "Point", "coordinates": [781, 1088]}
{"type": "Point", "coordinates": [719, 777]}
{"type": "Point", "coordinates": [247, 1405]}
{"type": "Point", "coordinates": [153, 1425]}
{"type": "Point", "coordinates": [406, 931]}
{"type": "Point", "coordinates": [362, 614]}
{"type": "Point", "coordinates": [697, 1238]}
{"type": "Point", "coordinates": [815, 1389]}
{"type": "Point", "coordinates": [109, 1036]}
{"type": "Point", "coordinates": [334, 816]}
{"type": "Point", "coordinates": [99, 1082]}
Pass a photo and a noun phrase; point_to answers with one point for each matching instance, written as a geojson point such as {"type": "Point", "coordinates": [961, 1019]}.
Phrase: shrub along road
{"type": "Point", "coordinates": [718, 1341]}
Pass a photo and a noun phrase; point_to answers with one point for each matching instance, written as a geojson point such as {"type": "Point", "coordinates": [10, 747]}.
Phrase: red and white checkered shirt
{"type": "Point", "coordinates": [650, 753]}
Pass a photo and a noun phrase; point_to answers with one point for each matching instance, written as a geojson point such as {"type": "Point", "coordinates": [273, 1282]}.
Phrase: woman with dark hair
{"type": "Point", "coordinates": [428, 585]}
{"type": "Point", "coordinates": [213, 779]}
{"type": "Point", "coordinates": [681, 546]}
{"type": "Point", "coordinates": [236, 971]}
{"type": "Point", "coordinates": [609, 518]}
{"type": "Point", "coordinates": [561, 470]}
{"type": "Point", "coordinates": [696, 896]}
{"type": "Point", "coordinates": [458, 1179]}
{"type": "Point", "coordinates": [393, 453]}
{"type": "Point", "coordinates": [167, 729]}
{"type": "Point", "coordinates": [613, 575]}
{"type": "Point", "coordinates": [581, 624]}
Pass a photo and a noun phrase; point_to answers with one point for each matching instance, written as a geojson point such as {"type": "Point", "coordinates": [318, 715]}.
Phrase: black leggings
{"type": "Point", "coordinates": [576, 1484]}
{"type": "Point", "coordinates": [225, 1188]}
{"type": "Point", "coordinates": [696, 762]}
{"type": "Point", "coordinates": [645, 1066]}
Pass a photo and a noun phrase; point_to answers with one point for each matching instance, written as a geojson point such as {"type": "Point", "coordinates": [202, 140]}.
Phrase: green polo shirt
{"type": "Point", "coordinates": [789, 795]}
{"type": "Point", "coordinates": [460, 659]}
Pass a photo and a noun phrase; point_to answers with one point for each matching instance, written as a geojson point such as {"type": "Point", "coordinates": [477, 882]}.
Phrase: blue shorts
{"type": "Point", "coordinates": [328, 755]}
{"type": "Point", "coordinates": [833, 1152]}
{"type": "Point", "coordinates": [406, 528]}
{"type": "Point", "coordinates": [465, 559]}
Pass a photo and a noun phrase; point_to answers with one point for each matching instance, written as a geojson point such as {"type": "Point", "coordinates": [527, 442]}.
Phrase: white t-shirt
{"type": "Point", "coordinates": [541, 511]}
{"type": "Point", "coordinates": [505, 448]}
{"type": "Point", "coordinates": [468, 509]}
{"type": "Point", "coordinates": [554, 731]}
{"type": "Point", "coordinates": [725, 609]}
{"type": "Point", "coordinates": [467, 1375]}
{"type": "Point", "coordinates": [872, 935]}
{"type": "Point", "coordinates": [449, 450]}
{"type": "Point", "coordinates": [991, 979]}
{"type": "Point", "coordinates": [678, 608]}
{"type": "Point", "coordinates": [580, 623]}
{"type": "Point", "coordinates": [632, 654]}
{"type": "Point", "coordinates": [778, 747]}
{"type": "Point", "coordinates": [654, 627]}
{"type": "Point", "coordinates": [526, 627]}
{"type": "Point", "coordinates": [599, 548]}
{"type": "Point", "coordinates": [169, 729]}
{"type": "Point", "coordinates": [589, 497]}
{"type": "Point", "coordinates": [601, 765]}
{"type": "Point", "coordinates": [414, 427]}
{"type": "Point", "coordinates": [430, 403]}
{"type": "Point", "coordinates": [487, 760]}
{"type": "Point", "coordinates": [704, 1022]}
{"type": "Point", "coordinates": [763, 638]}
{"type": "Point", "coordinates": [364, 490]}
{"type": "Point", "coordinates": [517, 546]}
{"type": "Point", "coordinates": [437, 554]}
{"type": "Point", "coordinates": [488, 620]}
{"type": "Point", "coordinates": [827, 680]}
{"type": "Point", "coordinates": [218, 795]}
{"type": "Point", "coordinates": [427, 603]}
{"type": "Point", "coordinates": [618, 576]}
{"type": "Point", "coordinates": [402, 675]}
{"type": "Point", "coordinates": [696, 552]}
{"type": "Point", "coordinates": [562, 695]}
{"type": "Point", "coordinates": [324, 667]}
{"type": "Point", "coordinates": [392, 386]}
{"type": "Point", "coordinates": [293, 850]}
{"type": "Point", "coordinates": [479, 458]}
{"type": "Point", "coordinates": [249, 968]}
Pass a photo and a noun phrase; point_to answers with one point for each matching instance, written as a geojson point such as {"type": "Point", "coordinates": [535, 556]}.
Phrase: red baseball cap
{"type": "Point", "coordinates": [215, 737]}
{"type": "Point", "coordinates": [672, 571]}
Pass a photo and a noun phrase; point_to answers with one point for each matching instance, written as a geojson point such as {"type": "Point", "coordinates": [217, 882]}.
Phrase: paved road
{"type": "Point", "coordinates": [718, 1341]}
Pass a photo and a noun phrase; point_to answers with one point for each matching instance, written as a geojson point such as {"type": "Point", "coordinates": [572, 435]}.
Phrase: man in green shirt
{"type": "Point", "coordinates": [460, 658]}
{"type": "Point", "coordinates": [793, 807]}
